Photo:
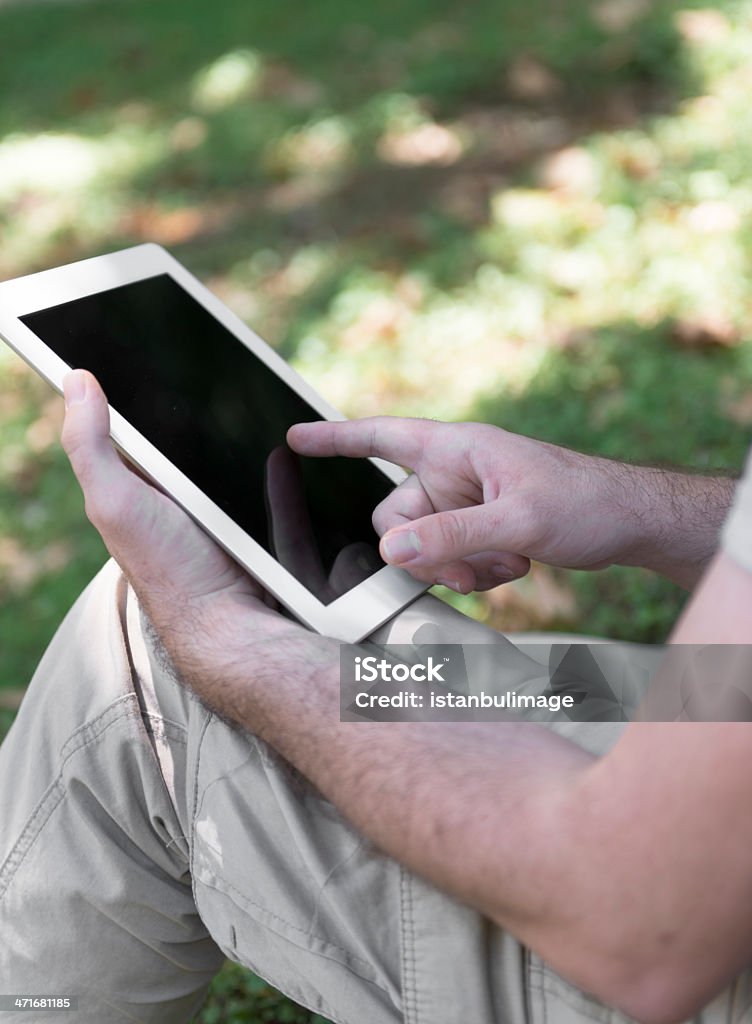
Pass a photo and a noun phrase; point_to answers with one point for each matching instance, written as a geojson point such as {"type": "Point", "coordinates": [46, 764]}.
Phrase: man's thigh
{"type": "Point", "coordinates": [95, 890]}
{"type": "Point", "coordinates": [145, 835]}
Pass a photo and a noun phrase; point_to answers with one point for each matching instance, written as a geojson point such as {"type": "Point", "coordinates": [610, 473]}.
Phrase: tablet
{"type": "Point", "coordinates": [202, 406]}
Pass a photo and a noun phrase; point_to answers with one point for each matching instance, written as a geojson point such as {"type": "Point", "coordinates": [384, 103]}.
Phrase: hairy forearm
{"type": "Point", "coordinates": [480, 810]}
{"type": "Point", "coordinates": [508, 817]}
{"type": "Point", "coordinates": [430, 794]}
{"type": "Point", "coordinates": [672, 519]}
{"type": "Point", "coordinates": [434, 795]}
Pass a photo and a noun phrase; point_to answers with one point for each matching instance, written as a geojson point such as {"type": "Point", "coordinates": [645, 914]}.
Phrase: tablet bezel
{"type": "Point", "coordinates": [350, 617]}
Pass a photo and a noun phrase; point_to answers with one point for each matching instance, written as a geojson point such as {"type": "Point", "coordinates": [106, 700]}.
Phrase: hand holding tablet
{"type": "Point", "coordinates": [202, 406]}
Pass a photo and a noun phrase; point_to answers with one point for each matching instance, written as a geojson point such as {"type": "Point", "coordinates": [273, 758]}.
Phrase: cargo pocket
{"type": "Point", "coordinates": [286, 887]}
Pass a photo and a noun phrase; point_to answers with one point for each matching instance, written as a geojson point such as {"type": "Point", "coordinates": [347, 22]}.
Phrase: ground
{"type": "Point", "coordinates": [531, 214]}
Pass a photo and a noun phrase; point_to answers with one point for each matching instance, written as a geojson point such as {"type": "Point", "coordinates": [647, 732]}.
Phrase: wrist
{"type": "Point", "coordinates": [236, 654]}
{"type": "Point", "coordinates": [670, 520]}
{"type": "Point", "coordinates": [278, 677]}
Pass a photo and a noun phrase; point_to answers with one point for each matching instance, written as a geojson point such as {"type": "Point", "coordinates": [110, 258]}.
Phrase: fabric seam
{"type": "Point", "coordinates": [55, 792]}
{"type": "Point", "coordinates": [244, 901]}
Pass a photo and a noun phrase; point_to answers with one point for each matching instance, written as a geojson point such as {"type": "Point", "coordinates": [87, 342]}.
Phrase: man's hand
{"type": "Point", "coordinates": [482, 502]}
{"type": "Point", "coordinates": [213, 618]}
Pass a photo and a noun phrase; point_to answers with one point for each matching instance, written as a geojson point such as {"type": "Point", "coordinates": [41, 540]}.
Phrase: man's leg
{"type": "Point", "coordinates": [120, 795]}
{"type": "Point", "coordinates": [95, 889]}
{"type": "Point", "coordinates": [287, 888]}
{"type": "Point", "coordinates": [115, 783]}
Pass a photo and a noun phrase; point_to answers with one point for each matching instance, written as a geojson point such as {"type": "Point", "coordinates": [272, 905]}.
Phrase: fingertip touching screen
{"type": "Point", "coordinates": [220, 414]}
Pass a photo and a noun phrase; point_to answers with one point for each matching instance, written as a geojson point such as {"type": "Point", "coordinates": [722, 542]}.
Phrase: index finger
{"type": "Point", "coordinates": [393, 438]}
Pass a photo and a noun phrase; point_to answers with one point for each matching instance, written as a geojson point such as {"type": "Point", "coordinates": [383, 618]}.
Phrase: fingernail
{"type": "Point", "coordinates": [401, 547]}
{"type": "Point", "coordinates": [452, 585]}
{"type": "Point", "coordinates": [74, 387]}
{"type": "Point", "coordinates": [503, 574]}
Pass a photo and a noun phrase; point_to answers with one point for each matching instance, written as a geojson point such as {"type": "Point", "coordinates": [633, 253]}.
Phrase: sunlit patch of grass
{"type": "Point", "coordinates": [232, 77]}
{"type": "Point", "coordinates": [68, 190]}
{"type": "Point", "coordinates": [321, 146]}
{"type": "Point", "coordinates": [644, 225]}
{"type": "Point", "coordinates": [55, 164]}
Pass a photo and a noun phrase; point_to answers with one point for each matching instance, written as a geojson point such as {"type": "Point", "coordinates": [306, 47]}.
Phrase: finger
{"type": "Point", "coordinates": [478, 572]}
{"type": "Point", "coordinates": [104, 479]}
{"type": "Point", "coordinates": [397, 440]}
{"type": "Point", "coordinates": [408, 501]}
{"type": "Point", "coordinates": [492, 569]}
{"type": "Point", "coordinates": [458, 576]}
{"type": "Point", "coordinates": [154, 542]}
{"type": "Point", "coordinates": [447, 537]}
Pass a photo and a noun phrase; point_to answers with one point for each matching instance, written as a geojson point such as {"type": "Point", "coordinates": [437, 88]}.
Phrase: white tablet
{"type": "Point", "coordinates": [202, 406]}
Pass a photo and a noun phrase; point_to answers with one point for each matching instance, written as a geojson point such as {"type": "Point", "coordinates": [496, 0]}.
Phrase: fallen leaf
{"type": "Point", "coordinates": [705, 331]}
{"type": "Point", "coordinates": [530, 79]}
{"type": "Point", "coordinates": [618, 15]}
{"type": "Point", "coordinates": [703, 26]}
{"type": "Point", "coordinates": [426, 144]}
{"type": "Point", "coordinates": [572, 171]}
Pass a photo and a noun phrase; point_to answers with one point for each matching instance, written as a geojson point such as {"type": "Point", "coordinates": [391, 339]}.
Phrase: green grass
{"type": "Point", "coordinates": [531, 214]}
{"type": "Point", "coordinates": [238, 997]}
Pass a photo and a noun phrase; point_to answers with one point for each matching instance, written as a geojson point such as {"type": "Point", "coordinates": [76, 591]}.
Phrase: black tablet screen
{"type": "Point", "coordinates": [220, 415]}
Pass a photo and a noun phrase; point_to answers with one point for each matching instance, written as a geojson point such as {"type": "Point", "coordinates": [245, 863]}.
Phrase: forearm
{"type": "Point", "coordinates": [538, 835]}
{"type": "Point", "coordinates": [493, 814]}
{"type": "Point", "coordinates": [430, 794]}
{"type": "Point", "coordinates": [470, 807]}
{"type": "Point", "coordinates": [671, 520]}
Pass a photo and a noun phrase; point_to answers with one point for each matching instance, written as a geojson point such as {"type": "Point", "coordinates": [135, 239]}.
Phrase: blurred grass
{"type": "Point", "coordinates": [536, 214]}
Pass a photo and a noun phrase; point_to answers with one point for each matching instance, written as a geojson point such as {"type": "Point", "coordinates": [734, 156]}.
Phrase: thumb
{"type": "Point", "coordinates": [446, 537]}
{"type": "Point", "coordinates": [103, 478]}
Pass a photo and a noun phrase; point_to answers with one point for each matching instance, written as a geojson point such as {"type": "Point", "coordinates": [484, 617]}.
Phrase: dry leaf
{"type": "Point", "coordinates": [530, 79]}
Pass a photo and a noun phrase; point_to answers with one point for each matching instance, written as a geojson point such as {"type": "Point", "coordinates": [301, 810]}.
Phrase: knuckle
{"type": "Point", "coordinates": [452, 531]}
{"type": "Point", "coordinates": [374, 443]}
{"type": "Point", "coordinates": [380, 519]}
{"type": "Point", "coordinates": [337, 438]}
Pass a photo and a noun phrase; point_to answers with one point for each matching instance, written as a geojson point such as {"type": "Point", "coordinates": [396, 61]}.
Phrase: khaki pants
{"type": "Point", "coordinates": [143, 840]}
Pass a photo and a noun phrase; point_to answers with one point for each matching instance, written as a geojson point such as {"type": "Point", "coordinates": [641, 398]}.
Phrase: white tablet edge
{"type": "Point", "coordinates": [351, 617]}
